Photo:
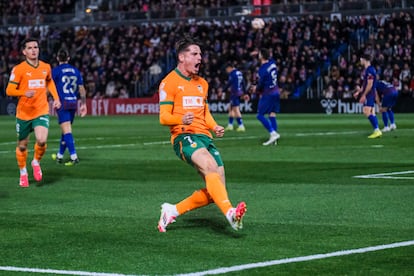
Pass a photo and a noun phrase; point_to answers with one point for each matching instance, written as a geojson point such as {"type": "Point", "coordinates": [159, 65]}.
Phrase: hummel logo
{"type": "Point", "coordinates": [29, 74]}
{"type": "Point", "coordinates": [180, 87]}
{"type": "Point", "coordinates": [328, 104]}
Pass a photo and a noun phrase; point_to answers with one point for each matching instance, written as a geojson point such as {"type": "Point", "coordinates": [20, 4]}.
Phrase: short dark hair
{"type": "Point", "coordinates": [265, 53]}
{"type": "Point", "coordinates": [183, 44]}
{"type": "Point", "coordinates": [367, 57]}
{"type": "Point", "coordinates": [63, 55]}
{"type": "Point", "coordinates": [229, 64]}
{"type": "Point", "coordinates": [27, 40]}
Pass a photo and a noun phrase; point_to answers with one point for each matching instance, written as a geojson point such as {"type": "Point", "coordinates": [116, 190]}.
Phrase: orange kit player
{"type": "Point", "coordinates": [184, 108]}
{"type": "Point", "coordinates": [30, 80]}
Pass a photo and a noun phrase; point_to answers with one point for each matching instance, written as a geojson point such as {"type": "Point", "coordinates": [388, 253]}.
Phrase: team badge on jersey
{"type": "Point", "coordinates": [200, 88]}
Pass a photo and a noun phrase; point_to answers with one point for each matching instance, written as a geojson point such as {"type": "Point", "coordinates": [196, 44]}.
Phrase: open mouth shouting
{"type": "Point", "coordinates": [197, 67]}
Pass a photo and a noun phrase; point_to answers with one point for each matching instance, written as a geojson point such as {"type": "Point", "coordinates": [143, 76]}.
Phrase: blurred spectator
{"type": "Point", "coordinates": [329, 92]}
{"type": "Point", "coordinates": [123, 94]}
{"type": "Point", "coordinates": [411, 87]}
{"type": "Point", "coordinates": [113, 58]}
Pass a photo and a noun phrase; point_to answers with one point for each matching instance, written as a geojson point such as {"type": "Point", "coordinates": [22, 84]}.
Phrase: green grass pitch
{"type": "Point", "coordinates": [324, 188]}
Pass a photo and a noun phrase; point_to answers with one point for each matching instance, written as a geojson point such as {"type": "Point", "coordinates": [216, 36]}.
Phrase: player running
{"type": "Point", "coordinates": [184, 109]}
{"type": "Point", "coordinates": [30, 81]}
{"type": "Point", "coordinates": [269, 102]}
{"type": "Point", "coordinates": [69, 84]}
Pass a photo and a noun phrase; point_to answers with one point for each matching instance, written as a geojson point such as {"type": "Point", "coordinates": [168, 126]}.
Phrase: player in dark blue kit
{"type": "Point", "coordinates": [368, 94]}
{"type": "Point", "coordinates": [69, 84]}
{"type": "Point", "coordinates": [269, 103]}
{"type": "Point", "coordinates": [387, 98]}
{"type": "Point", "coordinates": [237, 88]}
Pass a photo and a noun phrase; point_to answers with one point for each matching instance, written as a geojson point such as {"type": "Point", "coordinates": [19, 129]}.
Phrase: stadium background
{"type": "Point", "coordinates": [124, 48]}
{"type": "Point", "coordinates": [325, 188]}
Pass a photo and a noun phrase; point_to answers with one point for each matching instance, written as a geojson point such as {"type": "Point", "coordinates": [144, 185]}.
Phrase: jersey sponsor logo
{"type": "Point", "coordinates": [192, 102]}
{"type": "Point", "coordinates": [38, 83]}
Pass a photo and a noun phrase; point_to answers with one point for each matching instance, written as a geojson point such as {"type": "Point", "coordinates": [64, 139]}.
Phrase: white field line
{"type": "Point", "coordinates": [299, 259]}
{"type": "Point", "coordinates": [218, 139]}
{"type": "Point", "coordinates": [125, 145]}
{"type": "Point", "coordinates": [391, 175]}
{"type": "Point", "coordinates": [167, 142]}
{"type": "Point", "coordinates": [223, 270]}
{"type": "Point", "coordinates": [328, 133]}
{"type": "Point", "coordinates": [87, 147]}
{"type": "Point", "coordinates": [59, 272]}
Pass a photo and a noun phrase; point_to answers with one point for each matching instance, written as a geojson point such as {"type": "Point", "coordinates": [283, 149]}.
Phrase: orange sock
{"type": "Point", "coordinates": [39, 151]}
{"type": "Point", "coordinates": [21, 157]}
{"type": "Point", "coordinates": [218, 192]}
{"type": "Point", "coordinates": [198, 199]}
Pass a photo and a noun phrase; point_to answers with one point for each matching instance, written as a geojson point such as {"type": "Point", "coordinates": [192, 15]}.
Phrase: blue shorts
{"type": "Point", "coordinates": [269, 103]}
{"type": "Point", "coordinates": [234, 100]}
{"type": "Point", "coordinates": [389, 100]}
{"type": "Point", "coordinates": [370, 99]}
{"type": "Point", "coordinates": [66, 115]}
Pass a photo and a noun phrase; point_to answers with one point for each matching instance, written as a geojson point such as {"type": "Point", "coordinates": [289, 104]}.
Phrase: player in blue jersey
{"type": "Point", "coordinates": [69, 84]}
{"type": "Point", "coordinates": [387, 97]}
{"type": "Point", "coordinates": [237, 88]}
{"type": "Point", "coordinates": [367, 94]}
{"type": "Point", "coordinates": [269, 102]}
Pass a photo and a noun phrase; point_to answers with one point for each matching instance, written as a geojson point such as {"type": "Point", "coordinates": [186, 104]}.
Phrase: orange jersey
{"type": "Point", "coordinates": [179, 95]}
{"type": "Point", "coordinates": [24, 77]}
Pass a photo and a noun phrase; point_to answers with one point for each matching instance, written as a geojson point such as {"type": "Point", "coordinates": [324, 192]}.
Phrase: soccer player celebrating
{"type": "Point", "coordinates": [237, 88]}
{"type": "Point", "coordinates": [184, 108]}
{"type": "Point", "coordinates": [269, 102]}
{"type": "Point", "coordinates": [69, 84]}
{"type": "Point", "coordinates": [387, 98]}
{"type": "Point", "coordinates": [30, 80]}
{"type": "Point", "coordinates": [367, 94]}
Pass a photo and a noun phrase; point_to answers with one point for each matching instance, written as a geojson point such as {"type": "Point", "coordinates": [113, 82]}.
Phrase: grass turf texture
{"type": "Point", "coordinates": [302, 198]}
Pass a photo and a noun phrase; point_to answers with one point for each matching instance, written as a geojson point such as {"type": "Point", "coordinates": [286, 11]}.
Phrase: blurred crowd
{"type": "Point", "coordinates": [317, 56]}
{"type": "Point", "coordinates": [33, 12]}
{"type": "Point", "coordinates": [30, 7]}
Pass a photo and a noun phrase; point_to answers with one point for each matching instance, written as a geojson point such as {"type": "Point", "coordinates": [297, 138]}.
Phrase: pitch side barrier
{"type": "Point", "coordinates": [328, 106]}
{"type": "Point", "coordinates": [143, 106]}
